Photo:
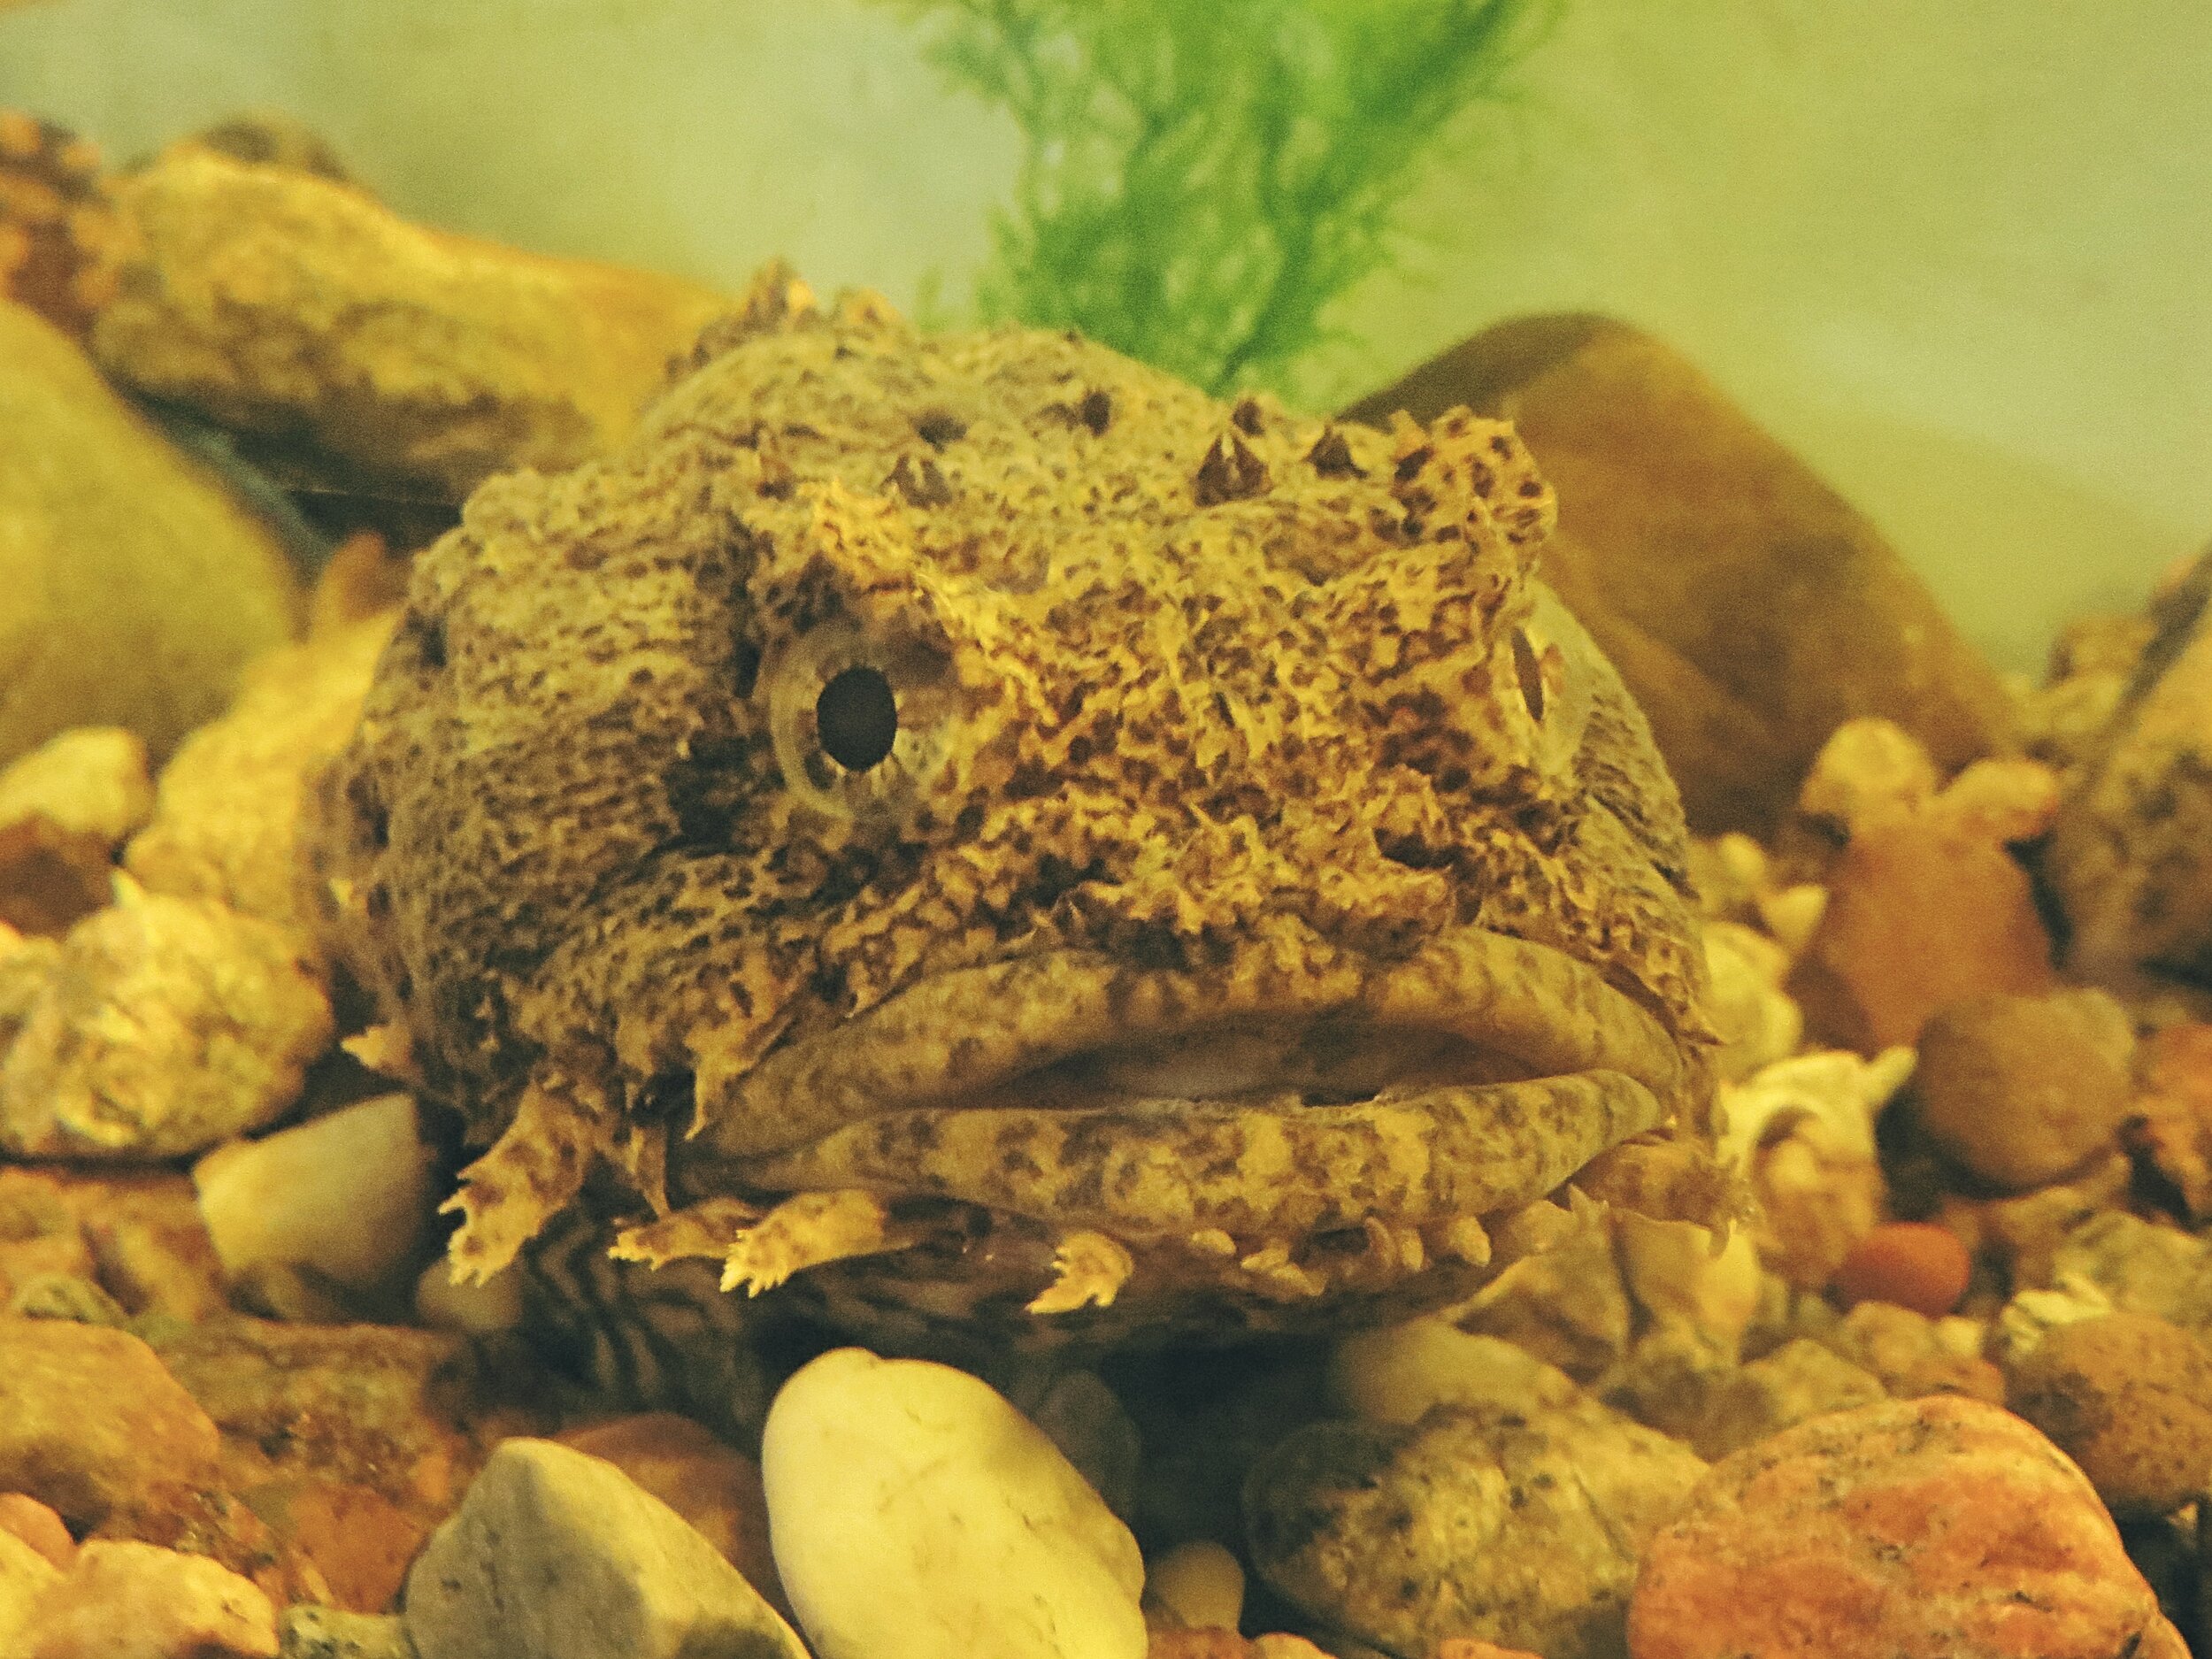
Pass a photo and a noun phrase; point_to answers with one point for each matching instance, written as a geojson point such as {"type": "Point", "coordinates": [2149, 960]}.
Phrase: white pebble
{"type": "Point", "coordinates": [1397, 1373]}
{"type": "Point", "coordinates": [916, 1515]}
{"type": "Point", "coordinates": [348, 1194]}
{"type": "Point", "coordinates": [1199, 1586]}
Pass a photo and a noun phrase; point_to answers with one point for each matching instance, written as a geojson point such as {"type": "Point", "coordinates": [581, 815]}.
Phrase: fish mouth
{"type": "Point", "coordinates": [1296, 1088]}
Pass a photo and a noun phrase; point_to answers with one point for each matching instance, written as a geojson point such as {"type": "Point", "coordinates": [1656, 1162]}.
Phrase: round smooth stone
{"type": "Point", "coordinates": [1940, 1528]}
{"type": "Point", "coordinates": [916, 1515]}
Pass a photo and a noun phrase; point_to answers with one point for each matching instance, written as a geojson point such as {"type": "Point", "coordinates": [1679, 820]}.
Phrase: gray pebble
{"type": "Point", "coordinates": [557, 1554]}
{"type": "Point", "coordinates": [1519, 1528]}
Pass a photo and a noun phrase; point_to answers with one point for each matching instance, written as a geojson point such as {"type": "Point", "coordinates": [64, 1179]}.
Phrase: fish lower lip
{"type": "Point", "coordinates": [958, 1044]}
{"type": "Point", "coordinates": [1163, 1168]}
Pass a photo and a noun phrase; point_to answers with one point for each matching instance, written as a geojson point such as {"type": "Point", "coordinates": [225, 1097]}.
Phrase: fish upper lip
{"type": "Point", "coordinates": [963, 1035]}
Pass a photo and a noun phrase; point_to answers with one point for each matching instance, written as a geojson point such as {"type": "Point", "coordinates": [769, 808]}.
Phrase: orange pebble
{"type": "Point", "coordinates": [1912, 1263]}
{"type": "Point", "coordinates": [38, 1526]}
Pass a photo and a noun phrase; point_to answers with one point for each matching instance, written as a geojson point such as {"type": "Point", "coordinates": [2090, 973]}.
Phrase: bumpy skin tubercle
{"type": "Point", "coordinates": [1170, 862]}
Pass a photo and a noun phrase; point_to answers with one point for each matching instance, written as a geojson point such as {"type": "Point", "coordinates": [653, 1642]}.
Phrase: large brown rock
{"type": "Point", "coordinates": [135, 588]}
{"type": "Point", "coordinates": [374, 353]}
{"type": "Point", "coordinates": [1750, 609]}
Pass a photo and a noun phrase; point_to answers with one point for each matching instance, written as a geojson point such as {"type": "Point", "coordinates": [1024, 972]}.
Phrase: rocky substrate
{"type": "Point", "coordinates": [1944, 1389]}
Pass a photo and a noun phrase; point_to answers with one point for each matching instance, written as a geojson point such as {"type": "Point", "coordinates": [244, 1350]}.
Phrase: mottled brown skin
{"type": "Point", "coordinates": [1265, 879]}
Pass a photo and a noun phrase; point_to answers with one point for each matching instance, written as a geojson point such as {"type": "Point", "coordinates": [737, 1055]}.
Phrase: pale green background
{"type": "Point", "coordinates": [1958, 251]}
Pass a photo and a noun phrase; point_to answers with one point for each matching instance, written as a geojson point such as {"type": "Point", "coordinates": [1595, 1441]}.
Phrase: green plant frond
{"type": "Point", "coordinates": [1200, 183]}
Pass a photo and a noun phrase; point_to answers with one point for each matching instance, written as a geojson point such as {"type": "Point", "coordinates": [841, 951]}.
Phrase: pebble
{"type": "Point", "coordinates": [916, 1515]}
{"type": "Point", "coordinates": [470, 1309]}
{"type": "Point", "coordinates": [326, 1632]}
{"type": "Point", "coordinates": [1923, 912]}
{"type": "Point", "coordinates": [1914, 1355]}
{"type": "Point", "coordinates": [2024, 1090]}
{"type": "Point", "coordinates": [348, 1197]}
{"type": "Point", "coordinates": [90, 1419]}
{"type": "Point", "coordinates": [228, 808]}
{"type": "Point", "coordinates": [2129, 1398]}
{"type": "Point", "coordinates": [2127, 856]}
{"type": "Point", "coordinates": [166, 1025]}
{"type": "Point", "coordinates": [358, 1541]}
{"type": "Point", "coordinates": [56, 228]}
{"type": "Point", "coordinates": [1816, 1202]}
{"type": "Point", "coordinates": [1521, 1528]}
{"type": "Point", "coordinates": [131, 1600]}
{"type": "Point", "coordinates": [134, 1243]}
{"type": "Point", "coordinates": [1199, 1586]}
{"type": "Point", "coordinates": [2008, 798]}
{"type": "Point", "coordinates": [1941, 1528]}
{"type": "Point", "coordinates": [714, 1487]}
{"type": "Point", "coordinates": [557, 1554]}
{"type": "Point", "coordinates": [26, 1576]}
{"type": "Point", "coordinates": [1801, 1379]}
{"type": "Point", "coordinates": [1869, 770]}
{"type": "Point", "coordinates": [1086, 1420]}
{"type": "Point", "coordinates": [1567, 1304]}
{"type": "Point", "coordinates": [65, 808]}
{"type": "Point", "coordinates": [65, 1296]}
{"type": "Point", "coordinates": [1757, 1022]}
{"type": "Point", "coordinates": [2032, 1315]}
{"type": "Point", "coordinates": [1211, 1643]}
{"type": "Point", "coordinates": [37, 1525]}
{"type": "Point", "coordinates": [2171, 1116]}
{"type": "Point", "coordinates": [2022, 1233]}
{"type": "Point", "coordinates": [2140, 1266]}
{"type": "Point", "coordinates": [1915, 1264]}
{"type": "Point", "coordinates": [1395, 1373]}
{"type": "Point", "coordinates": [1833, 1091]}
{"type": "Point", "coordinates": [162, 586]}
{"type": "Point", "coordinates": [315, 1417]}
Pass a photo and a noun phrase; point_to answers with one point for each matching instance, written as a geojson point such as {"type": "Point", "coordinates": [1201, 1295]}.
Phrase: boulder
{"type": "Point", "coordinates": [373, 353]}
{"type": "Point", "coordinates": [137, 586]}
{"type": "Point", "coordinates": [1749, 608]}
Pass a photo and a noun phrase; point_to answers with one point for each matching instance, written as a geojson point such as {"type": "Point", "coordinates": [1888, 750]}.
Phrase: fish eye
{"type": "Point", "coordinates": [856, 718]}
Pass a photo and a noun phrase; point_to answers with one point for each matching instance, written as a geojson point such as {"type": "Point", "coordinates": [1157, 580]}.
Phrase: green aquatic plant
{"type": "Point", "coordinates": [1200, 180]}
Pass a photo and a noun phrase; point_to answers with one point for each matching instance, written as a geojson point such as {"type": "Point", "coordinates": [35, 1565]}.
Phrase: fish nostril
{"type": "Point", "coordinates": [1415, 853]}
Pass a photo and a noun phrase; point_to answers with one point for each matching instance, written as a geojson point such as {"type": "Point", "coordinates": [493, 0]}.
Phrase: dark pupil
{"type": "Point", "coordinates": [1532, 675]}
{"type": "Point", "coordinates": [856, 717]}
